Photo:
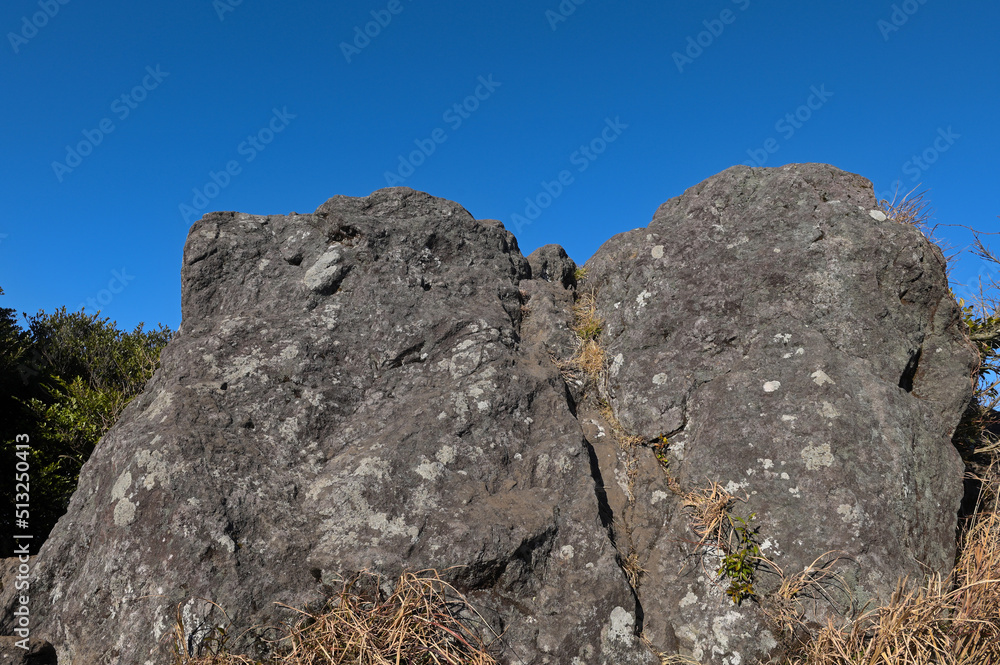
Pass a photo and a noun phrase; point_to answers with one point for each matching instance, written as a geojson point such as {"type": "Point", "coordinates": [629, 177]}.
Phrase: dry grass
{"type": "Point", "coordinates": [908, 209]}
{"type": "Point", "coordinates": [415, 624]}
{"type": "Point", "coordinates": [590, 358]}
{"type": "Point", "coordinates": [587, 325]}
{"type": "Point", "coordinates": [625, 440]}
{"type": "Point", "coordinates": [950, 621]}
{"type": "Point", "coordinates": [633, 570]}
{"type": "Point", "coordinates": [710, 506]}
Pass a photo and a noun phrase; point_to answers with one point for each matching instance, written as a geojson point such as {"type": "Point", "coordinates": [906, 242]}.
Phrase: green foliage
{"type": "Point", "coordinates": [977, 433]}
{"type": "Point", "coordinates": [984, 331]}
{"type": "Point", "coordinates": [741, 558]}
{"type": "Point", "coordinates": [65, 380]}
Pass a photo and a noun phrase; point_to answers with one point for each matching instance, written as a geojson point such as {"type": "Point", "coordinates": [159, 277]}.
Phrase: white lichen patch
{"type": "Point", "coordinates": [124, 512]}
{"type": "Point", "coordinates": [566, 552]}
{"type": "Point", "coordinates": [657, 497]}
{"type": "Point", "coordinates": [877, 215]}
{"type": "Point", "coordinates": [766, 463]}
{"type": "Point", "coordinates": [245, 366]}
{"type": "Point", "coordinates": [734, 487]}
{"type": "Point", "coordinates": [849, 514]}
{"type": "Point", "coordinates": [621, 626]}
{"type": "Point", "coordinates": [689, 599]}
{"type": "Point", "coordinates": [722, 628]}
{"type": "Point", "coordinates": [741, 240]}
{"type": "Point", "coordinates": [349, 515]}
{"type": "Point", "coordinates": [817, 456]}
{"type": "Point", "coordinates": [471, 353]}
{"type": "Point", "coordinates": [783, 338]}
{"type": "Point", "coordinates": [616, 364]}
{"type": "Point", "coordinates": [642, 298]}
{"type": "Point", "coordinates": [429, 470]}
{"type": "Point", "coordinates": [372, 467]}
{"type": "Point", "coordinates": [820, 378]}
{"type": "Point", "coordinates": [446, 455]}
{"type": "Point", "coordinates": [546, 466]}
{"type": "Point", "coordinates": [156, 467]}
{"type": "Point", "coordinates": [121, 486]}
{"type": "Point", "coordinates": [789, 419]}
{"type": "Point", "coordinates": [621, 477]}
{"type": "Point", "coordinates": [689, 634]}
{"type": "Point", "coordinates": [660, 379]}
{"type": "Point", "coordinates": [827, 410]}
{"type": "Point", "coordinates": [158, 406]}
{"type": "Point", "coordinates": [289, 429]}
{"type": "Point", "coordinates": [657, 251]}
{"type": "Point", "coordinates": [226, 541]}
{"type": "Point", "coordinates": [771, 386]}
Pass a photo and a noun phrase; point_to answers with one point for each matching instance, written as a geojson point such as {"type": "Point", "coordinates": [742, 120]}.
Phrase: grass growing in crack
{"type": "Point", "coordinates": [733, 537]}
{"type": "Point", "coordinates": [632, 568]}
{"type": "Point", "coordinates": [416, 623]}
{"type": "Point", "coordinates": [625, 440]}
{"type": "Point", "coordinates": [660, 449]}
{"type": "Point", "coordinates": [588, 325]}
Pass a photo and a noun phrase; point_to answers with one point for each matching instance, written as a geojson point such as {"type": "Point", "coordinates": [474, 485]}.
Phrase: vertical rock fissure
{"type": "Point", "coordinates": [906, 379]}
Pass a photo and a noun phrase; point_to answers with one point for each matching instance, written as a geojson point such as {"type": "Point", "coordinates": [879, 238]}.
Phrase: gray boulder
{"type": "Point", "coordinates": [794, 346]}
{"type": "Point", "coordinates": [348, 391]}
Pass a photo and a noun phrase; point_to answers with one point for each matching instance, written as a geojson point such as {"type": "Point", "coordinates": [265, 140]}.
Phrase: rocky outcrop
{"type": "Point", "coordinates": [347, 391]}
{"type": "Point", "coordinates": [386, 385]}
{"type": "Point", "coordinates": [794, 346]}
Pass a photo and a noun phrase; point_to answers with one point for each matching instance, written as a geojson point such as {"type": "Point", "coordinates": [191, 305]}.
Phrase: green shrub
{"type": "Point", "coordinates": [65, 381]}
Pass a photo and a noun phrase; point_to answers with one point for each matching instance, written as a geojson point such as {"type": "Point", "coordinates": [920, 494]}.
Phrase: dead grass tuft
{"type": "Point", "coordinates": [417, 622]}
{"type": "Point", "coordinates": [710, 507]}
{"type": "Point", "coordinates": [908, 209]}
{"type": "Point", "coordinates": [633, 570]}
{"type": "Point", "coordinates": [587, 322]}
{"type": "Point", "coordinates": [590, 358]}
{"type": "Point", "coordinates": [587, 325]}
{"type": "Point", "coordinates": [945, 621]}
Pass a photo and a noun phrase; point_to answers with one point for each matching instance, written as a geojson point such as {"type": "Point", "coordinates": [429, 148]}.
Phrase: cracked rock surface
{"type": "Point", "coordinates": [382, 385]}
{"type": "Point", "coordinates": [801, 352]}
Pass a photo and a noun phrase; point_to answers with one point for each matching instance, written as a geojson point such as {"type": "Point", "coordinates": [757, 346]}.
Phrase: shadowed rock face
{"type": "Point", "coordinates": [376, 386]}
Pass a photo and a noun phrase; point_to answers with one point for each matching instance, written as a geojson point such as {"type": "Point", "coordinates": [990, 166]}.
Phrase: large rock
{"type": "Point", "coordinates": [386, 385]}
{"type": "Point", "coordinates": [347, 391]}
{"type": "Point", "coordinates": [797, 348]}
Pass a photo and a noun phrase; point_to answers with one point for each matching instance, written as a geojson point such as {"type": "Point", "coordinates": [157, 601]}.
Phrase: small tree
{"type": "Point", "coordinates": [67, 378]}
{"type": "Point", "coordinates": [983, 319]}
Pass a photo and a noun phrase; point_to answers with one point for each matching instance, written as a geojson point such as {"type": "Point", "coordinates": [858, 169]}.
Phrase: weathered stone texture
{"type": "Point", "coordinates": [384, 385]}
{"type": "Point", "coordinates": [792, 347]}
{"type": "Point", "coordinates": [346, 392]}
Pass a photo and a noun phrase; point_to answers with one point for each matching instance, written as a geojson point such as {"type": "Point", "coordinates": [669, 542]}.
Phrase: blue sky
{"type": "Point", "coordinates": [594, 111]}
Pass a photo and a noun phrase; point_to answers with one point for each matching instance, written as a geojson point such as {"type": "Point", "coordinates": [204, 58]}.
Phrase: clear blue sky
{"type": "Point", "coordinates": [185, 85]}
